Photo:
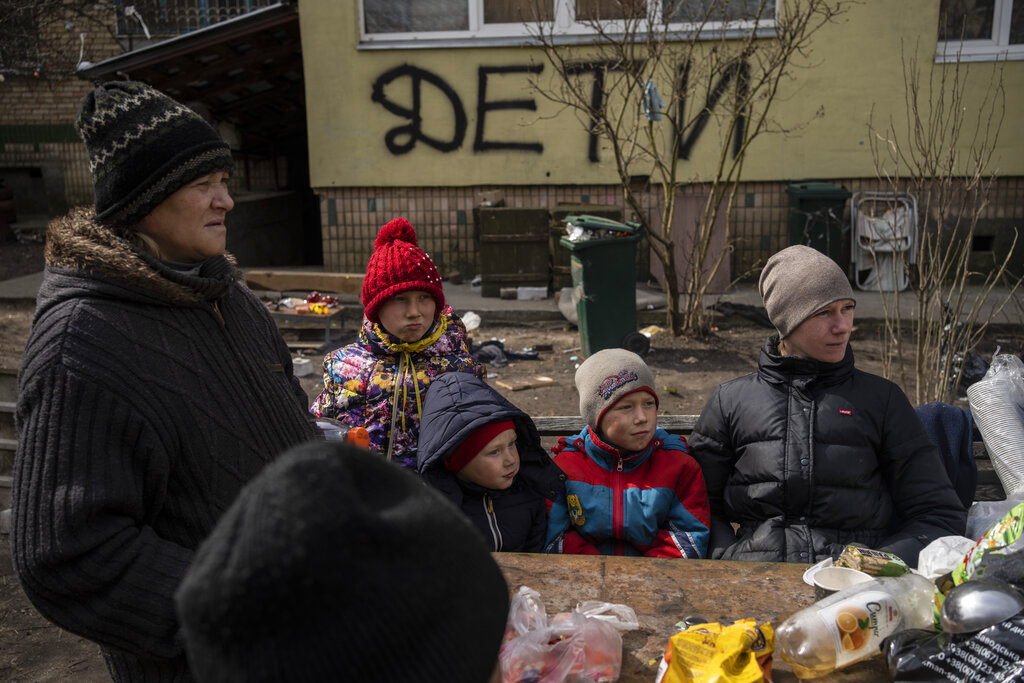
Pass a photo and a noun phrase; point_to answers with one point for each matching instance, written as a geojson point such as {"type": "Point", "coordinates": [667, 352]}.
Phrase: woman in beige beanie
{"type": "Point", "coordinates": [808, 453]}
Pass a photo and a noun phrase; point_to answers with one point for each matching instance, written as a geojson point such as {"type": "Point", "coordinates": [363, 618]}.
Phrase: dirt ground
{"type": "Point", "coordinates": [686, 371]}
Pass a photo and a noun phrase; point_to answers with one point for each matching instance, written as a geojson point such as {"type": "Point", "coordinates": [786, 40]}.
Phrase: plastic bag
{"type": "Point", "coordinates": [997, 404]}
{"type": "Point", "coordinates": [582, 645]}
{"type": "Point", "coordinates": [943, 555]}
{"type": "Point", "coordinates": [525, 613]}
{"type": "Point", "coordinates": [992, 655]}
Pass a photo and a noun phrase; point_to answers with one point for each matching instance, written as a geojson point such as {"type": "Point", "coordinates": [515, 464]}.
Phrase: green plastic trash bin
{"type": "Point", "coordinates": [816, 217]}
{"type": "Point", "coordinates": [604, 279]}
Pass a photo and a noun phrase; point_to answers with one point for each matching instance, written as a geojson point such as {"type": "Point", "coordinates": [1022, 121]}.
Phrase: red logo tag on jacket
{"type": "Point", "coordinates": [845, 411]}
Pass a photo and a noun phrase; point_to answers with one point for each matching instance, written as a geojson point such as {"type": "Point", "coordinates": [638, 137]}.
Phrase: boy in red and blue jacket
{"type": "Point", "coordinates": [632, 487]}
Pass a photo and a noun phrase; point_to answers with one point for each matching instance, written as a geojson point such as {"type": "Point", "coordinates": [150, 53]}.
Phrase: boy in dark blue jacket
{"type": "Point", "coordinates": [485, 455]}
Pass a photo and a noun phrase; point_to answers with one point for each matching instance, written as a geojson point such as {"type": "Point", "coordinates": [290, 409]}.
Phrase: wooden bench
{"type": "Point", "coordinates": [988, 487]}
{"type": "Point", "coordinates": [566, 425]}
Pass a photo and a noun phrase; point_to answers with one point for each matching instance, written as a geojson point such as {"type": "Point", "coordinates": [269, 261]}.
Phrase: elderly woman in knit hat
{"type": "Point", "coordinates": [809, 454]}
{"type": "Point", "coordinates": [409, 337]}
{"type": "Point", "coordinates": [153, 386]}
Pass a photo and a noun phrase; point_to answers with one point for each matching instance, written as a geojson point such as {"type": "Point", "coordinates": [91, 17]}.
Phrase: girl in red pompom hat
{"type": "Point", "coordinates": [409, 337]}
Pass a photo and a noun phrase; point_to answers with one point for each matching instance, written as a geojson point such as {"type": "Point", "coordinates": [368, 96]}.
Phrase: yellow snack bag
{"type": "Point", "coordinates": [740, 652]}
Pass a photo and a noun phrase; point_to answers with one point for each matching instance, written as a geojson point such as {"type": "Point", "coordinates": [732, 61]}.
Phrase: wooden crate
{"type": "Point", "coordinates": [514, 248]}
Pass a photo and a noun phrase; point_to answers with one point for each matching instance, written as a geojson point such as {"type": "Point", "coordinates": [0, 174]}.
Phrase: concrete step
{"type": "Point", "coordinates": [8, 380]}
{"type": "Point", "coordinates": [5, 492]}
{"type": "Point", "coordinates": [7, 420]}
{"type": "Point", "coordinates": [7, 448]}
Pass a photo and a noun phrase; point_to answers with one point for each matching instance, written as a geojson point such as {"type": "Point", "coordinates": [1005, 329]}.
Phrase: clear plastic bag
{"type": "Point", "coordinates": [582, 645]}
{"type": "Point", "coordinates": [997, 404]}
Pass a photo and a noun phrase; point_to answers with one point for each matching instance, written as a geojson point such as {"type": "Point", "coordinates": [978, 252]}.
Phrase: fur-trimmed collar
{"type": "Point", "coordinates": [77, 243]}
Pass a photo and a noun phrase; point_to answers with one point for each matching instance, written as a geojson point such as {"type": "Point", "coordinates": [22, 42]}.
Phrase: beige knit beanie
{"type": "Point", "coordinates": [798, 281]}
{"type": "Point", "coordinates": [606, 377]}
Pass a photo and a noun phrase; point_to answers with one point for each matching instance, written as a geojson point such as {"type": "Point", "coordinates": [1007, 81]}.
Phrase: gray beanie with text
{"type": "Point", "coordinates": [606, 377]}
{"type": "Point", "coordinates": [798, 281]}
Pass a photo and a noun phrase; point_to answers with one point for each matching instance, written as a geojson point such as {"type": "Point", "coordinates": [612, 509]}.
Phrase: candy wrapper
{"type": "Point", "coordinates": [873, 562]}
{"type": "Point", "coordinates": [582, 645]}
{"type": "Point", "coordinates": [998, 554]}
{"type": "Point", "coordinates": [740, 652]}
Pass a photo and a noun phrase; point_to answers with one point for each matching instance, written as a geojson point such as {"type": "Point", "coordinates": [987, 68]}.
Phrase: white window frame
{"type": "Point", "coordinates": [988, 49]}
{"type": "Point", "coordinates": [564, 29]}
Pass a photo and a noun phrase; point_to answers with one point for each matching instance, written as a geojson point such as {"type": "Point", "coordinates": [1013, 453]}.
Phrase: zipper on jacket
{"type": "Point", "coordinates": [492, 522]}
{"type": "Point", "coordinates": [617, 507]}
{"type": "Point", "coordinates": [216, 309]}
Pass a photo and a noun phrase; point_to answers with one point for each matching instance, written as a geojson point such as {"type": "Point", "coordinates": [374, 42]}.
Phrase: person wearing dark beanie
{"type": "Point", "coordinates": [153, 385]}
{"type": "Point", "coordinates": [809, 454]}
{"type": "Point", "coordinates": [409, 337]}
{"type": "Point", "coordinates": [143, 147]}
{"type": "Point", "coordinates": [485, 455]}
{"type": "Point", "coordinates": [300, 580]}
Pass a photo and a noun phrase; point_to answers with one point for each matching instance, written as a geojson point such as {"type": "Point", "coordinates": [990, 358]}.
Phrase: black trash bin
{"type": "Point", "coordinates": [603, 268]}
{"type": "Point", "coordinates": [816, 217]}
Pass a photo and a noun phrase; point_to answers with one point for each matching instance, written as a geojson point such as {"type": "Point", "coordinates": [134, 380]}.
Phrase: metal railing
{"type": "Point", "coordinates": [151, 18]}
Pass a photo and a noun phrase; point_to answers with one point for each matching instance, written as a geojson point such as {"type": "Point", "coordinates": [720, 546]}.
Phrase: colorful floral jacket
{"type": "Point", "coordinates": [652, 502]}
{"type": "Point", "coordinates": [379, 377]}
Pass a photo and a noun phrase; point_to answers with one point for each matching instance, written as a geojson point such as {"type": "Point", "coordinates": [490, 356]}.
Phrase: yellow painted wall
{"type": "Point", "coordinates": [854, 71]}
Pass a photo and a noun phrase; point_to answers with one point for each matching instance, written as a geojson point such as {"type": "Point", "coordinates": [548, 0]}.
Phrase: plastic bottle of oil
{"type": "Point", "coordinates": [848, 626]}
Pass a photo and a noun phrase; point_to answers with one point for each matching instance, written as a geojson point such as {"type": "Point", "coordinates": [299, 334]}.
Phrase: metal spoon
{"type": "Point", "coordinates": [979, 603]}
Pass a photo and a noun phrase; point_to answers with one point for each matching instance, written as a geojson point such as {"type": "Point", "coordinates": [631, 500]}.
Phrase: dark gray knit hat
{"type": "Point", "coordinates": [143, 146]}
{"type": "Point", "coordinates": [335, 564]}
{"type": "Point", "coordinates": [798, 281]}
{"type": "Point", "coordinates": [607, 376]}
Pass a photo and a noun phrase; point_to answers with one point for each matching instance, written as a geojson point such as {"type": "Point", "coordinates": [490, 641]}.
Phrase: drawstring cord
{"type": "Point", "coordinates": [405, 365]}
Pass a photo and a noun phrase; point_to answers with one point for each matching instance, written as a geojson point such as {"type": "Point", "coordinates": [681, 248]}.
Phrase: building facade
{"type": "Point", "coordinates": [424, 109]}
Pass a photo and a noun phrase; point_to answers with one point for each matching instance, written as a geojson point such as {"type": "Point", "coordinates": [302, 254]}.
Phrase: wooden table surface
{"type": "Point", "coordinates": [663, 592]}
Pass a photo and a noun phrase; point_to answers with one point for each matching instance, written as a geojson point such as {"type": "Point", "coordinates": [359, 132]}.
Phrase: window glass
{"type": "Point", "coordinates": [592, 10]}
{"type": "Point", "coordinates": [695, 11]}
{"type": "Point", "coordinates": [1017, 23]}
{"type": "Point", "coordinates": [970, 18]}
{"type": "Point", "coordinates": [518, 11]}
{"type": "Point", "coordinates": [395, 16]}
{"type": "Point", "coordinates": [19, 48]}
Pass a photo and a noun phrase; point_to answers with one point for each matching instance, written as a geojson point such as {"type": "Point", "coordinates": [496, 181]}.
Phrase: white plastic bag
{"type": "Point", "coordinates": [997, 404]}
{"type": "Point", "coordinates": [582, 645]}
{"type": "Point", "coordinates": [942, 555]}
{"type": "Point", "coordinates": [471, 320]}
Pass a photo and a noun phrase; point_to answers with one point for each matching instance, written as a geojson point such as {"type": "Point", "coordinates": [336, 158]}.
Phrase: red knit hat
{"type": "Point", "coordinates": [471, 445]}
{"type": "Point", "coordinates": [398, 265]}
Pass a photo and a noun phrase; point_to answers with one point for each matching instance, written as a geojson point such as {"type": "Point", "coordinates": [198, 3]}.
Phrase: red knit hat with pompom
{"type": "Point", "coordinates": [398, 265]}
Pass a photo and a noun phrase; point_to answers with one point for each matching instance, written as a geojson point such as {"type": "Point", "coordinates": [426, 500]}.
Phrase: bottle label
{"type": "Point", "coordinates": [859, 624]}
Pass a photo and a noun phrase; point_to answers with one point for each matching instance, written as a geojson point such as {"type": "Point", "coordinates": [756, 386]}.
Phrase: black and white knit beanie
{"type": "Point", "coordinates": [608, 375]}
{"type": "Point", "coordinates": [798, 281]}
{"type": "Point", "coordinates": [335, 564]}
{"type": "Point", "coordinates": [143, 146]}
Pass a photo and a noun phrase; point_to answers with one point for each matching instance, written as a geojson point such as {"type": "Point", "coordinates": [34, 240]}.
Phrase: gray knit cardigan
{"type": "Point", "coordinates": [146, 399]}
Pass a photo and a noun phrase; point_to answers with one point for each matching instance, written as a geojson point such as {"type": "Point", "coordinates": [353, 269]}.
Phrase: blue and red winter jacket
{"type": "Point", "coordinates": [652, 502]}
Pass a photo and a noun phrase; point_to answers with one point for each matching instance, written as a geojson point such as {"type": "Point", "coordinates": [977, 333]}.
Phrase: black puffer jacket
{"type": "Point", "coordinates": [511, 520]}
{"type": "Point", "coordinates": [805, 456]}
